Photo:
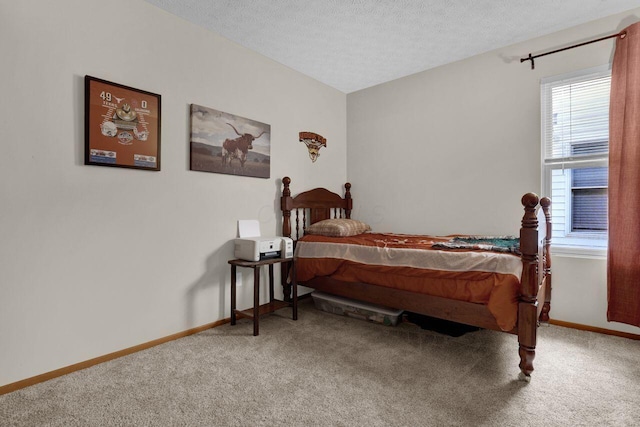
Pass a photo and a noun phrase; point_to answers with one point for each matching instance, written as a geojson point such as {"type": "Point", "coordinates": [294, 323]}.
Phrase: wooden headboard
{"type": "Point", "coordinates": [312, 206]}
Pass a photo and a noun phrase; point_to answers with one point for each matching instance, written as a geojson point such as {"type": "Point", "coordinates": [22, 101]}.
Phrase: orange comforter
{"type": "Point", "coordinates": [409, 262]}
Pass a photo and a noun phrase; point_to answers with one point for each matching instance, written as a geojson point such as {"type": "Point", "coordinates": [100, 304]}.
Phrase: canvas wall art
{"type": "Point", "coordinates": [229, 144]}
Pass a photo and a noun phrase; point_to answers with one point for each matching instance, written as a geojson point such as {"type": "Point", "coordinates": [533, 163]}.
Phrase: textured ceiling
{"type": "Point", "coordinates": [354, 44]}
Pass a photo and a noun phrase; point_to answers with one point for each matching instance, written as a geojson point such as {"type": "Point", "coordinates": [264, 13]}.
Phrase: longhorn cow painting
{"type": "Point", "coordinates": [225, 143]}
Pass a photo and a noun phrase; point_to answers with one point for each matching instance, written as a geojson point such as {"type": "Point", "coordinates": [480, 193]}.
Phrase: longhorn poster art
{"type": "Point", "coordinates": [122, 126]}
{"type": "Point", "coordinates": [229, 144]}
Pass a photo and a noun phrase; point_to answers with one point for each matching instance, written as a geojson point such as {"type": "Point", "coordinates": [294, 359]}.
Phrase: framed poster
{"type": "Point", "coordinates": [230, 144]}
{"type": "Point", "coordinates": [122, 126]}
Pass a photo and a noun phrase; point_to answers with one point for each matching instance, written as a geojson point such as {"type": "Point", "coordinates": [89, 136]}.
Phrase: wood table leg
{"type": "Point", "coordinates": [286, 287]}
{"type": "Point", "coordinates": [233, 294]}
{"type": "Point", "coordinates": [294, 285]}
{"type": "Point", "coordinates": [271, 297]}
{"type": "Point", "coordinates": [256, 300]}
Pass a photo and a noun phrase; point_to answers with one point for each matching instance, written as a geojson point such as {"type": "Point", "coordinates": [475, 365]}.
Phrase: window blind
{"type": "Point", "coordinates": [576, 122]}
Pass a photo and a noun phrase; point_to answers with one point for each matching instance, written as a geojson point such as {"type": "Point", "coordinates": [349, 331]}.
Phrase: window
{"type": "Point", "coordinates": [575, 155]}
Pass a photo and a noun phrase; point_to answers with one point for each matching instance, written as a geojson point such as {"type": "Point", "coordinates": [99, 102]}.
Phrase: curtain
{"type": "Point", "coordinates": [623, 265]}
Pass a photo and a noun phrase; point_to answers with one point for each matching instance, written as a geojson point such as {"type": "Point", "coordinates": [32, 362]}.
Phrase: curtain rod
{"type": "Point", "coordinates": [531, 58]}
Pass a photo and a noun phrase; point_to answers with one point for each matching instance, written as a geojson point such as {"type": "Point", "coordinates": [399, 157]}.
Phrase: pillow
{"type": "Point", "coordinates": [338, 227]}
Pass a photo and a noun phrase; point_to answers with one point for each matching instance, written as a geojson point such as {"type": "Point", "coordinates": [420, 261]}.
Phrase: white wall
{"type": "Point", "coordinates": [96, 259]}
{"type": "Point", "coordinates": [453, 149]}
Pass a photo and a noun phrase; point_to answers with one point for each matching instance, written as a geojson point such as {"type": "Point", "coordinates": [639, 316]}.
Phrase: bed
{"type": "Point", "coordinates": [505, 290]}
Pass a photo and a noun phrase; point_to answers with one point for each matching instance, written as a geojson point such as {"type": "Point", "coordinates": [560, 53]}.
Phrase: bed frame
{"type": "Point", "coordinates": [535, 285]}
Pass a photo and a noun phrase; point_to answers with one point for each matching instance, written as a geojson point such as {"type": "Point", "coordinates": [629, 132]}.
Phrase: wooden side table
{"type": "Point", "coordinates": [257, 310]}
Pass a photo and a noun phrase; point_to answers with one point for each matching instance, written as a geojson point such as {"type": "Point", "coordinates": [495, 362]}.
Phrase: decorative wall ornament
{"type": "Point", "coordinates": [122, 126]}
{"type": "Point", "coordinates": [225, 143]}
{"type": "Point", "coordinates": [314, 143]}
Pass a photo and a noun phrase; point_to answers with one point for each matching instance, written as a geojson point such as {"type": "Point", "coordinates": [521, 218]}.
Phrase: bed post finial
{"type": "Point", "coordinates": [285, 206]}
{"type": "Point", "coordinates": [286, 181]}
{"type": "Point", "coordinates": [530, 201]}
{"type": "Point", "coordinates": [347, 198]}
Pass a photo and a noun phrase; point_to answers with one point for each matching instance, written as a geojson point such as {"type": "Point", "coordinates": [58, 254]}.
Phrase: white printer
{"type": "Point", "coordinates": [251, 246]}
{"type": "Point", "coordinates": [259, 248]}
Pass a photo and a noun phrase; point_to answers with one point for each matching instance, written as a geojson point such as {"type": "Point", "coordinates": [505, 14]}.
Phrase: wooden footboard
{"type": "Point", "coordinates": [535, 285]}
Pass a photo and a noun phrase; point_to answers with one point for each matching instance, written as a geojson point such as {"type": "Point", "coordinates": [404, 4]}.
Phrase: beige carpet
{"type": "Point", "coordinates": [328, 370]}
